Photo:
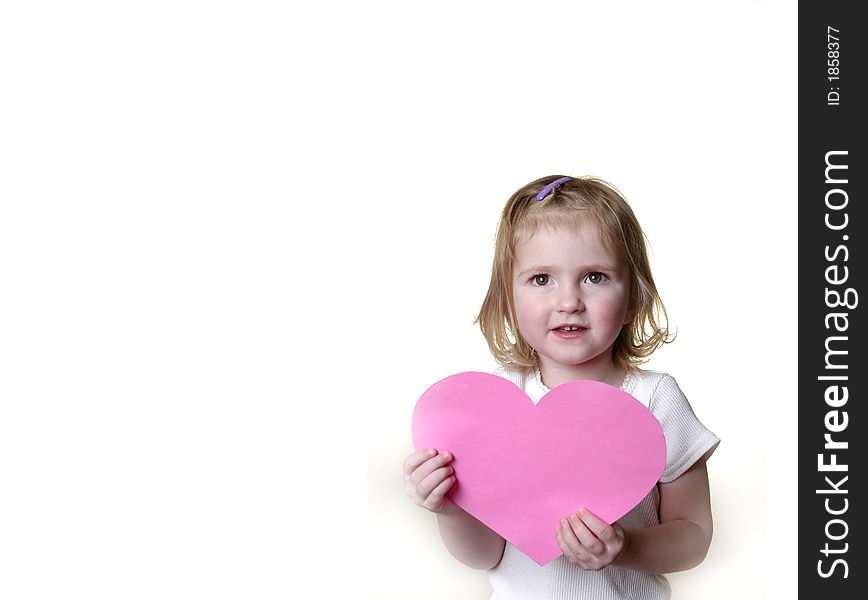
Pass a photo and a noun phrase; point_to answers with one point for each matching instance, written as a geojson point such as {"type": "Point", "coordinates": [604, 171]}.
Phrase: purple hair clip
{"type": "Point", "coordinates": [548, 189]}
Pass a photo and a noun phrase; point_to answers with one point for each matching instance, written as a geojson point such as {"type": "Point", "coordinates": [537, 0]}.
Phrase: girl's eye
{"type": "Point", "coordinates": [540, 280]}
{"type": "Point", "coordinates": [596, 277]}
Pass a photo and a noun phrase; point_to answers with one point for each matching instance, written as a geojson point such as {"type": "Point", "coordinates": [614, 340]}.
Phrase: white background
{"type": "Point", "coordinates": [238, 240]}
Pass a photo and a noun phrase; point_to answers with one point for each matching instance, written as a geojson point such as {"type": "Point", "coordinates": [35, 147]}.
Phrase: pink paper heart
{"type": "Point", "coordinates": [520, 468]}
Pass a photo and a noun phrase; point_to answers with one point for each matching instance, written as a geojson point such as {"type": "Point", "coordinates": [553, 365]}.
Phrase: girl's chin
{"type": "Point", "coordinates": [568, 359]}
{"type": "Point", "coordinates": [568, 362]}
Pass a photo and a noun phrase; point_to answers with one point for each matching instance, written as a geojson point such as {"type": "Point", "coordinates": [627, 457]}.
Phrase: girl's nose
{"type": "Point", "coordinates": [570, 301]}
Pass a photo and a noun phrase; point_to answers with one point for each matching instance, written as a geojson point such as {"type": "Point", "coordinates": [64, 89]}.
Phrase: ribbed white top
{"type": "Point", "coordinates": [518, 577]}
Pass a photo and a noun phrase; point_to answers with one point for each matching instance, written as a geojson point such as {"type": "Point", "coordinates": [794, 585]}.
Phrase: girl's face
{"type": "Point", "coordinates": [571, 295]}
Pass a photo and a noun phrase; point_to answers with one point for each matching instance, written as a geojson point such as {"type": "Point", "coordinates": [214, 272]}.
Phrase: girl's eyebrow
{"type": "Point", "coordinates": [536, 269]}
{"type": "Point", "coordinates": [549, 269]}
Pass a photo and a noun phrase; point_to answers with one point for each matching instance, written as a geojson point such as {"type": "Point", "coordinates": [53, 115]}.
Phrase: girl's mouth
{"type": "Point", "coordinates": [569, 331]}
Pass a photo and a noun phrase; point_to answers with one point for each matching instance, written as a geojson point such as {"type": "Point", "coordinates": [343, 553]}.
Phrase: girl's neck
{"type": "Point", "coordinates": [553, 374]}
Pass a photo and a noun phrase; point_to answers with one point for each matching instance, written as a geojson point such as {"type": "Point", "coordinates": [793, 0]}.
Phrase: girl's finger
{"type": "Point", "coordinates": [598, 526]}
{"type": "Point", "coordinates": [566, 550]}
{"type": "Point", "coordinates": [561, 544]}
{"type": "Point", "coordinates": [412, 462]}
{"type": "Point", "coordinates": [585, 536]}
{"type": "Point", "coordinates": [429, 466]}
{"type": "Point", "coordinates": [427, 486]}
{"type": "Point", "coordinates": [573, 545]}
{"type": "Point", "coordinates": [435, 498]}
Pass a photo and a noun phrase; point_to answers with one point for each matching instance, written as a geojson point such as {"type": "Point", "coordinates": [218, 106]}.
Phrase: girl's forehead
{"type": "Point", "coordinates": [566, 248]}
{"type": "Point", "coordinates": [587, 236]}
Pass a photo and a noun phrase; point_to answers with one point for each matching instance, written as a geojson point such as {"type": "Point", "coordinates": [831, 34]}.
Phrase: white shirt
{"type": "Point", "coordinates": [518, 577]}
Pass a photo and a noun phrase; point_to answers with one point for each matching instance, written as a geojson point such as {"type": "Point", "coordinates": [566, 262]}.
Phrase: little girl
{"type": "Point", "coordinates": [572, 297]}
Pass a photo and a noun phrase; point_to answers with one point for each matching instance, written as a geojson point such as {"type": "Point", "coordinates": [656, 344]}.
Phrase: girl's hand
{"type": "Point", "coordinates": [589, 542]}
{"type": "Point", "coordinates": [427, 478]}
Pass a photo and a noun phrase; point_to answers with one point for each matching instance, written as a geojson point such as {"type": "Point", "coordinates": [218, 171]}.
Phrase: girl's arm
{"type": "Point", "coordinates": [428, 476]}
{"type": "Point", "coordinates": [469, 540]}
{"type": "Point", "coordinates": [682, 539]}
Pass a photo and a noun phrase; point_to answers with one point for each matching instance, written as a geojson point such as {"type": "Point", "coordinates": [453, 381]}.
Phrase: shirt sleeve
{"type": "Point", "coordinates": [687, 440]}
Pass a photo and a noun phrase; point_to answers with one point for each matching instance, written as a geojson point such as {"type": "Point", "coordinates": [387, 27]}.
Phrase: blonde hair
{"type": "Point", "coordinates": [579, 201]}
